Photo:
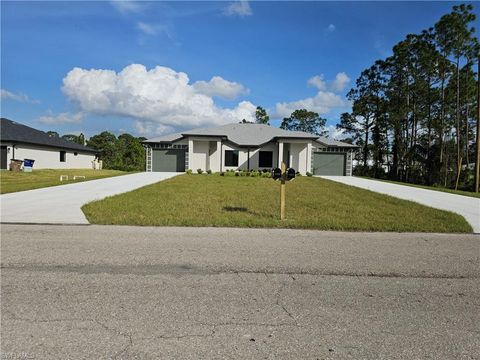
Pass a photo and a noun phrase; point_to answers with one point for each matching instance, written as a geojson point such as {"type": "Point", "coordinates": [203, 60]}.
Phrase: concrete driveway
{"type": "Point", "coordinates": [468, 207]}
{"type": "Point", "coordinates": [61, 204]}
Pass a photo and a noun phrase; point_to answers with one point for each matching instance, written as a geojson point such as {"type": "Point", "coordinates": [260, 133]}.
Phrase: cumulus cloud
{"type": "Point", "coordinates": [318, 82]}
{"type": "Point", "coordinates": [340, 83]}
{"type": "Point", "coordinates": [157, 99]}
{"type": "Point", "coordinates": [220, 87]}
{"type": "Point", "coordinates": [62, 118]}
{"type": "Point", "coordinates": [330, 28]}
{"type": "Point", "coordinates": [238, 8]}
{"type": "Point", "coordinates": [148, 128]}
{"type": "Point", "coordinates": [321, 103]}
{"type": "Point", "coordinates": [8, 95]}
{"type": "Point", "coordinates": [127, 6]}
{"type": "Point", "coordinates": [325, 99]}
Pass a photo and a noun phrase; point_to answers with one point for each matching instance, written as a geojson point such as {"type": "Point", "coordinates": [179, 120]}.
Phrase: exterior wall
{"type": "Point", "coordinates": [349, 165]}
{"type": "Point", "coordinates": [9, 153]}
{"type": "Point", "coordinates": [214, 154]}
{"type": "Point", "coordinates": [242, 158]}
{"type": "Point", "coordinates": [254, 156]}
{"type": "Point", "coordinates": [49, 158]}
{"type": "Point", "coordinates": [298, 157]}
{"type": "Point", "coordinates": [204, 153]}
{"type": "Point", "coordinates": [199, 155]}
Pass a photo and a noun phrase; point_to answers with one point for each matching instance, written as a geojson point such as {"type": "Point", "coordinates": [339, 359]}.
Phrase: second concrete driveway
{"type": "Point", "coordinates": [468, 207]}
{"type": "Point", "coordinates": [61, 204]}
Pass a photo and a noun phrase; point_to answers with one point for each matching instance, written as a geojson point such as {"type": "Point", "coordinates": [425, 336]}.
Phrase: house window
{"type": "Point", "coordinates": [265, 159]}
{"type": "Point", "coordinates": [231, 157]}
{"type": "Point", "coordinates": [63, 156]}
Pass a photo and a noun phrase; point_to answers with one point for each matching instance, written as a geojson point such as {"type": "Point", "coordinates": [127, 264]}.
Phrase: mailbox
{"type": "Point", "coordinates": [290, 174]}
{"type": "Point", "coordinates": [276, 173]}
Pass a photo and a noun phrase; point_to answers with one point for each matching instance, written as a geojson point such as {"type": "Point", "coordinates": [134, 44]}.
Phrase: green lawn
{"type": "Point", "coordinates": [436, 188]}
{"type": "Point", "coordinates": [312, 203]}
{"type": "Point", "coordinates": [19, 181]}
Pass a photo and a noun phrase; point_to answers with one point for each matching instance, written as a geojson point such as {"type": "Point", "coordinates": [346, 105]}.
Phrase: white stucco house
{"type": "Point", "coordinates": [20, 142]}
{"type": "Point", "coordinates": [248, 146]}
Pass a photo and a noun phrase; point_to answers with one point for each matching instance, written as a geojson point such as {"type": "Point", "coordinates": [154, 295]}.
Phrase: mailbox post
{"type": "Point", "coordinates": [282, 193]}
{"type": "Point", "coordinates": [283, 175]}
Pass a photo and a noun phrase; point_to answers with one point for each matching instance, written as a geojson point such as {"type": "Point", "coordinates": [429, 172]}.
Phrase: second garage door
{"type": "Point", "coordinates": [326, 163]}
{"type": "Point", "coordinates": [171, 160]}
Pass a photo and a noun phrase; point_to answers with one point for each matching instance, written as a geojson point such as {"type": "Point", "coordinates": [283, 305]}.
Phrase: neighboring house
{"type": "Point", "coordinates": [21, 142]}
{"type": "Point", "coordinates": [248, 146]}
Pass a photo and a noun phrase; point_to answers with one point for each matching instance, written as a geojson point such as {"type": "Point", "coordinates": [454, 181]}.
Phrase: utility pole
{"type": "Point", "coordinates": [477, 145]}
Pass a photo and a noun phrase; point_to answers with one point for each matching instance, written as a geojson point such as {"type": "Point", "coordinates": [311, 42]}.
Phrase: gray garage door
{"type": "Point", "coordinates": [170, 160]}
{"type": "Point", "coordinates": [325, 163]}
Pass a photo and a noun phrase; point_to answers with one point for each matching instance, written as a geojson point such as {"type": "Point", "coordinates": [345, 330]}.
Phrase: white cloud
{"type": "Point", "coordinates": [8, 95]}
{"type": "Point", "coordinates": [220, 87]}
{"type": "Point", "coordinates": [157, 99]}
{"type": "Point", "coordinates": [318, 82]}
{"type": "Point", "coordinates": [62, 118]}
{"type": "Point", "coordinates": [325, 99]}
{"type": "Point", "coordinates": [151, 29]}
{"type": "Point", "coordinates": [334, 133]}
{"type": "Point", "coordinates": [127, 6]}
{"type": "Point", "coordinates": [321, 103]}
{"type": "Point", "coordinates": [148, 128]}
{"type": "Point", "coordinates": [239, 8]}
{"type": "Point", "coordinates": [330, 28]}
{"type": "Point", "coordinates": [340, 82]}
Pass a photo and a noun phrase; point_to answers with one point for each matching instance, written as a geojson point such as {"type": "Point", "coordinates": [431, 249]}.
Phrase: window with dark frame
{"type": "Point", "coordinates": [231, 157]}
{"type": "Point", "coordinates": [265, 159]}
{"type": "Point", "coordinates": [63, 156]}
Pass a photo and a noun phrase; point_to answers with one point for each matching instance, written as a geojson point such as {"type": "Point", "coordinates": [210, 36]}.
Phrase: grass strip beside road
{"type": "Point", "coordinates": [312, 203]}
{"type": "Point", "coordinates": [20, 181]}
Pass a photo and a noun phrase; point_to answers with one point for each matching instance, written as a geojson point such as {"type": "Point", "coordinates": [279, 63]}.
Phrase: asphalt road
{"type": "Point", "coordinates": [95, 292]}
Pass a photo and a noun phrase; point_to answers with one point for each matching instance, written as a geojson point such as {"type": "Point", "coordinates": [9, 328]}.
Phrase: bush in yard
{"type": "Point", "coordinates": [266, 175]}
{"type": "Point", "coordinates": [200, 171]}
{"type": "Point", "coordinates": [309, 173]}
{"type": "Point", "coordinates": [189, 171]}
{"type": "Point", "coordinates": [209, 171]}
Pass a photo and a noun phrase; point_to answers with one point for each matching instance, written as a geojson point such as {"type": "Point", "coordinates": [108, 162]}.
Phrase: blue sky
{"type": "Point", "coordinates": [149, 68]}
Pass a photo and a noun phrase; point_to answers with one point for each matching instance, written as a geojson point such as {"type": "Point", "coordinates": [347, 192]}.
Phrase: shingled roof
{"type": "Point", "coordinates": [11, 131]}
{"type": "Point", "coordinates": [247, 134]}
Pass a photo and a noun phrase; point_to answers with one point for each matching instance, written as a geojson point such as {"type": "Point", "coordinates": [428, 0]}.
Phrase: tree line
{"type": "Point", "coordinates": [124, 152]}
{"type": "Point", "coordinates": [414, 114]}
